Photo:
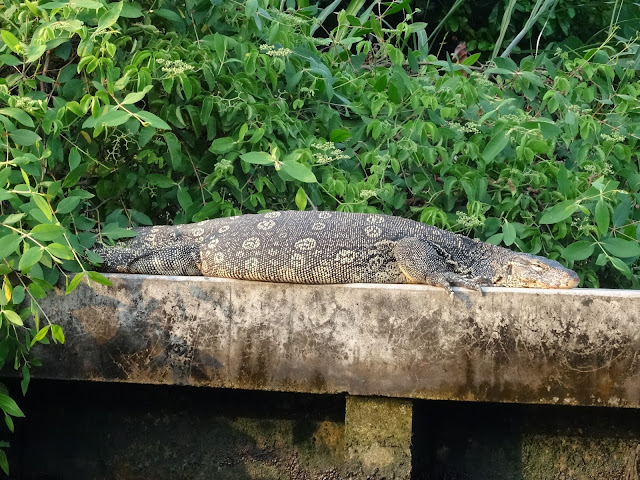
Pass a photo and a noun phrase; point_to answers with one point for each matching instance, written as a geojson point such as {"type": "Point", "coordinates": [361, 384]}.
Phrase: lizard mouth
{"type": "Point", "coordinates": [572, 282]}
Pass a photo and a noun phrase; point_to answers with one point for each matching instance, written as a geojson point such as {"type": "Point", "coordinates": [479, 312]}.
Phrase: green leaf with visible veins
{"type": "Point", "coordinates": [30, 258]}
{"type": "Point", "coordinates": [259, 158]}
{"type": "Point", "coordinates": [10, 406]}
{"type": "Point", "coordinates": [578, 251]}
{"type": "Point", "coordinates": [299, 171]}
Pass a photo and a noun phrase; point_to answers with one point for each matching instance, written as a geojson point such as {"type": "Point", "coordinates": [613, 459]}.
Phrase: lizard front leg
{"type": "Point", "coordinates": [421, 262]}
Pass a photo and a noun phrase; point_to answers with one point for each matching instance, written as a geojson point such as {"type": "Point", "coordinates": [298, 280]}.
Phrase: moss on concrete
{"type": "Point", "coordinates": [378, 437]}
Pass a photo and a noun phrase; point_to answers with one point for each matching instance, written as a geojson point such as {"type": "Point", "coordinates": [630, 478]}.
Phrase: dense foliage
{"type": "Point", "coordinates": [489, 26]}
{"type": "Point", "coordinates": [124, 113]}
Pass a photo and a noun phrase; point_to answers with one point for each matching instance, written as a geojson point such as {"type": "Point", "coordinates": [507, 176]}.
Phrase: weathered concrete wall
{"type": "Point", "coordinates": [378, 435]}
{"type": "Point", "coordinates": [124, 431]}
{"type": "Point", "coordinates": [575, 347]}
{"type": "Point", "coordinates": [479, 441]}
{"type": "Point", "coordinates": [98, 431]}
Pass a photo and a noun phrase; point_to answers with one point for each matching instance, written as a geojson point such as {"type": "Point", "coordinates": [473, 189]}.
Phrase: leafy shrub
{"type": "Point", "coordinates": [117, 114]}
{"type": "Point", "coordinates": [479, 23]}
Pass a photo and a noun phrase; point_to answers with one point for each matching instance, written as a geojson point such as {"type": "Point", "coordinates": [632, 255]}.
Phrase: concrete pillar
{"type": "Point", "coordinates": [378, 438]}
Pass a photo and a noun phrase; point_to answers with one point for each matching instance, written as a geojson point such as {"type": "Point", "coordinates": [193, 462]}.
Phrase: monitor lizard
{"type": "Point", "coordinates": [318, 247]}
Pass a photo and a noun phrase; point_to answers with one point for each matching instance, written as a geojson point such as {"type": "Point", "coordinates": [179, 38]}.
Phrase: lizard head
{"type": "Point", "coordinates": [532, 271]}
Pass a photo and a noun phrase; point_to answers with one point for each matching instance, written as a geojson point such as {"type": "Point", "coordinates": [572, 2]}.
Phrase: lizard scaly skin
{"type": "Point", "coordinates": [330, 247]}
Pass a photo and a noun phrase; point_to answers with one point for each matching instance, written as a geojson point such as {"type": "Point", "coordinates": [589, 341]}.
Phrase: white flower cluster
{"type": "Point", "coordinates": [174, 67]}
{"type": "Point", "coordinates": [275, 52]}
{"type": "Point", "coordinates": [288, 18]}
{"type": "Point", "coordinates": [27, 104]}
{"type": "Point", "coordinates": [481, 80]}
{"type": "Point", "coordinates": [469, 127]}
{"type": "Point", "coordinates": [616, 137]}
{"type": "Point", "coordinates": [592, 168]}
{"type": "Point", "coordinates": [367, 194]}
{"type": "Point", "coordinates": [328, 152]}
{"type": "Point", "coordinates": [468, 221]}
{"type": "Point", "coordinates": [223, 166]}
{"type": "Point", "coordinates": [514, 118]}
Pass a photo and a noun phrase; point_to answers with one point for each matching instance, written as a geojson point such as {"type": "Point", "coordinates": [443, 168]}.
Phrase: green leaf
{"type": "Point", "coordinates": [74, 176]}
{"type": "Point", "coordinates": [146, 134]}
{"type": "Point", "coordinates": [563, 180]}
{"type": "Point", "coordinates": [24, 138]}
{"type": "Point", "coordinates": [560, 212]}
{"type": "Point", "coordinates": [578, 251]}
{"type": "Point", "coordinates": [259, 158]}
{"type": "Point", "coordinates": [34, 52]}
{"type": "Point", "coordinates": [9, 244]}
{"type": "Point", "coordinates": [60, 251]}
{"type": "Point", "coordinates": [18, 295]}
{"type": "Point", "coordinates": [40, 335]}
{"type": "Point", "coordinates": [43, 206]}
{"type": "Point", "coordinates": [222, 145]}
{"type": "Point", "coordinates": [13, 317]}
{"type": "Point", "coordinates": [74, 158]}
{"type": "Point", "coordinates": [602, 217]}
{"type": "Point", "coordinates": [621, 248]}
{"type": "Point", "coordinates": [130, 10]}
{"type": "Point", "coordinates": [161, 181]}
{"type": "Point", "coordinates": [140, 217]}
{"type": "Point", "coordinates": [621, 266]}
{"type": "Point", "coordinates": [205, 112]}
{"type": "Point", "coordinates": [497, 143]}
{"type": "Point", "coordinates": [170, 15]}
{"type": "Point", "coordinates": [622, 212]}
{"type": "Point", "coordinates": [13, 218]}
{"type": "Point", "coordinates": [74, 283]}
{"type": "Point", "coordinates": [26, 378]}
{"type": "Point", "coordinates": [30, 258]}
{"type": "Point", "coordinates": [134, 97]}
{"type": "Point", "coordinates": [98, 278]}
{"type": "Point", "coordinates": [36, 290]}
{"type": "Point", "coordinates": [68, 204]}
{"type": "Point", "coordinates": [301, 199]}
{"type": "Point", "coordinates": [184, 199]}
{"type": "Point", "coordinates": [251, 8]}
{"type": "Point", "coordinates": [10, 406]}
{"type": "Point", "coordinates": [10, 40]}
{"type": "Point", "coordinates": [57, 333]}
{"type": "Point", "coordinates": [20, 115]}
{"type": "Point", "coordinates": [299, 171]}
{"type": "Point", "coordinates": [175, 149]}
{"type": "Point", "coordinates": [116, 232]}
{"type": "Point", "coordinates": [8, 422]}
{"type": "Point", "coordinates": [47, 231]}
{"type": "Point", "coordinates": [89, 4]}
{"type": "Point", "coordinates": [153, 120]}
{"type": "Point", "coordinates": [4, 463]}
{"type": "Point", "coordinates": [339, 135]}
{"type": "Point", "coordinates": [509, 232]}
{"type": "Point", "coordinates": [10, 60]}
{"type": "Point", "coordinates": [113, 118]}
{"type": "Point", "coordinates": [110, 16]}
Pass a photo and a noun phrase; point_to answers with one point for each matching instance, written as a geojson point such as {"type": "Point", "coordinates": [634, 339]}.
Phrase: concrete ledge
{"type": "Point", "coordinates": [577, 347]}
